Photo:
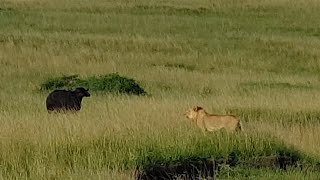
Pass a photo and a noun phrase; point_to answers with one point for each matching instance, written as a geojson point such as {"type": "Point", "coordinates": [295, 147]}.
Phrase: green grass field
{"type": "Point", "coordinates": [257, 59]}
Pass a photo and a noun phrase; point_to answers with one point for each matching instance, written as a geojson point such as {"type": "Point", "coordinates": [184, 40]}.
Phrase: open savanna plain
{"type": "Point", "coordinates": [257, 59]}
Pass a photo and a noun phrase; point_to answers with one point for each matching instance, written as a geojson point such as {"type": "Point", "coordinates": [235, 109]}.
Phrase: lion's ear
{"type": "Point", "coordinates": [197, 108]}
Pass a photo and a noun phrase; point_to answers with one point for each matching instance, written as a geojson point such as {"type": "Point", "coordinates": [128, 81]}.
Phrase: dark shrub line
{"type": "Point", "coordinates": [112, 83]}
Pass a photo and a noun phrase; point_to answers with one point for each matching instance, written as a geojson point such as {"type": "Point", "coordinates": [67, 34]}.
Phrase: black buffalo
{"type": "Point", "coordinates": [62, 100]}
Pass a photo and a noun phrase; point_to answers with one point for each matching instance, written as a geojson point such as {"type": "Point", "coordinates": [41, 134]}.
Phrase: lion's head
{"type": "Point", "coordinates": [193, 112]}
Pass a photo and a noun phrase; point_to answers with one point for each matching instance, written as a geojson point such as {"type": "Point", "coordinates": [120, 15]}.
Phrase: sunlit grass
{"type": "Point", "coordinates": [256, 59]}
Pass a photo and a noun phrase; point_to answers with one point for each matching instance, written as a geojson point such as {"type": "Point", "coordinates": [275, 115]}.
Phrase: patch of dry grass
{"type": "Point", "coordinates": [258, 59]}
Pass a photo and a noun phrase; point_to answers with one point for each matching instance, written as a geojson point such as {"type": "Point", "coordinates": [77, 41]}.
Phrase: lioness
{"type": "Point", "coordinates": [210, 122]}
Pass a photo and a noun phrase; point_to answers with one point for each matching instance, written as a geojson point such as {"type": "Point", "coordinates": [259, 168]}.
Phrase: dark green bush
{"type": "Point", "coordinates": [113, 83]}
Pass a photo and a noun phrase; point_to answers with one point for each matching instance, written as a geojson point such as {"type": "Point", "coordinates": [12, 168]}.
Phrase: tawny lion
{"type": "Point", "coordinates": [210, 122]}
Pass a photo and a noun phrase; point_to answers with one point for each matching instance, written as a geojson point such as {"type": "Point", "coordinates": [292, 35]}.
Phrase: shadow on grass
{"type": "Point", "coordinates": [209, 168]}
{"type": "Point", "coordinates": [154, 163]}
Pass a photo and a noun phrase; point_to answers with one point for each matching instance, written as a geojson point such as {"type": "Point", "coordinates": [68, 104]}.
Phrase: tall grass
{"type": "Point", "coordinates": [256, 59]}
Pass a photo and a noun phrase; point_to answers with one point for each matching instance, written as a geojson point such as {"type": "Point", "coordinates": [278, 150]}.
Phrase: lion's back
{"type": "Point", "coordinates": [216, 122]}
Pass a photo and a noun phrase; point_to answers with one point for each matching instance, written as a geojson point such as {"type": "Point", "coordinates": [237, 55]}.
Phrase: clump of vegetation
{"type": "Point", "coordinates": [243, 154]}
{"type": "Point", "coordinates": [113, 83]}
{"type": "Point", "coordinates": [60, 82]}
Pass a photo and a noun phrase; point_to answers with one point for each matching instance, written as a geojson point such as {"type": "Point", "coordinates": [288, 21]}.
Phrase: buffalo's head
{"type": "Point", "coordinates": [82, 92]}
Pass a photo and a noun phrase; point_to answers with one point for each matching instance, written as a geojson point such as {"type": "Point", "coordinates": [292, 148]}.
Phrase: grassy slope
{"type": "Point", "coordinates": [257, 59]}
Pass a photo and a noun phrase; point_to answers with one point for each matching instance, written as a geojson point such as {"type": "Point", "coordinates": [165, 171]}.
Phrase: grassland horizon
{"type": "Point", "coordinates": [259, 60]}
